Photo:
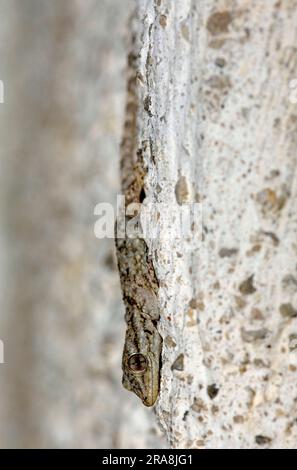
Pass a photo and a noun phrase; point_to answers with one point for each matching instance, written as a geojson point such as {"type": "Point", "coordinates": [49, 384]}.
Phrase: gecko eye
{"type": "Point", "coordinates": [137, 363]}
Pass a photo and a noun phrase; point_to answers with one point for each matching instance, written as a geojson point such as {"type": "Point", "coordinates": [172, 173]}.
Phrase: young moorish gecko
{"type": "Point", "coordinates": [141, 360]}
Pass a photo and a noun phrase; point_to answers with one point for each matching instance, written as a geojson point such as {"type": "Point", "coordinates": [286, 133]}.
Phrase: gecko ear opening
{"type": "Point", "coordinates": [142, 195]}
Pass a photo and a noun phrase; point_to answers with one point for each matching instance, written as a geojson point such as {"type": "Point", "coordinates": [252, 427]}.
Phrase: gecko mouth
{"type": "Point", "coordinates": [149, 399]}
{"type": "Point", "coordinates": [151, 387]}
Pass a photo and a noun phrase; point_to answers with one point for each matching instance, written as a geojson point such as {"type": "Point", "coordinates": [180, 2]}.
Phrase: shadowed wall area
{"type": "Point", "coordinates": [62, 318]}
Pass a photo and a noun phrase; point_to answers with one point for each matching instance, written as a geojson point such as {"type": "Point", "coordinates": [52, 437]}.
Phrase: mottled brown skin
{"type": "Point", "coordinates": [138, 279]}
{"type": "Point", "coordinates": [140, 288]}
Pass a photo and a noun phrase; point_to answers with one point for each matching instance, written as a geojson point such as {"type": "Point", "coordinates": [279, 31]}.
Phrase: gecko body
{"type": "Point", "coordinates": [141, 361]}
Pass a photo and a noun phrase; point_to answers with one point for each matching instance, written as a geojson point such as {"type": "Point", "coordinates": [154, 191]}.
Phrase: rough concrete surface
{"type": "Point", "coordinates": [216, 109]}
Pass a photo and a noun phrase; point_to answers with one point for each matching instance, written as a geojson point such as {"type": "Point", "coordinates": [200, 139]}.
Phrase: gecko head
{"type": "Point", "coordinates": [141, 376]}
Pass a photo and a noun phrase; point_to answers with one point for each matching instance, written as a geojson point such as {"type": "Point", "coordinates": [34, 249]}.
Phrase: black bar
{"type": "Point", "coordinates": [133, 458]}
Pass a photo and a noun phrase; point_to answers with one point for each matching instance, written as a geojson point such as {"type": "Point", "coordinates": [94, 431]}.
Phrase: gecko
{"type": "Point", "coordinates": [141, 360]}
